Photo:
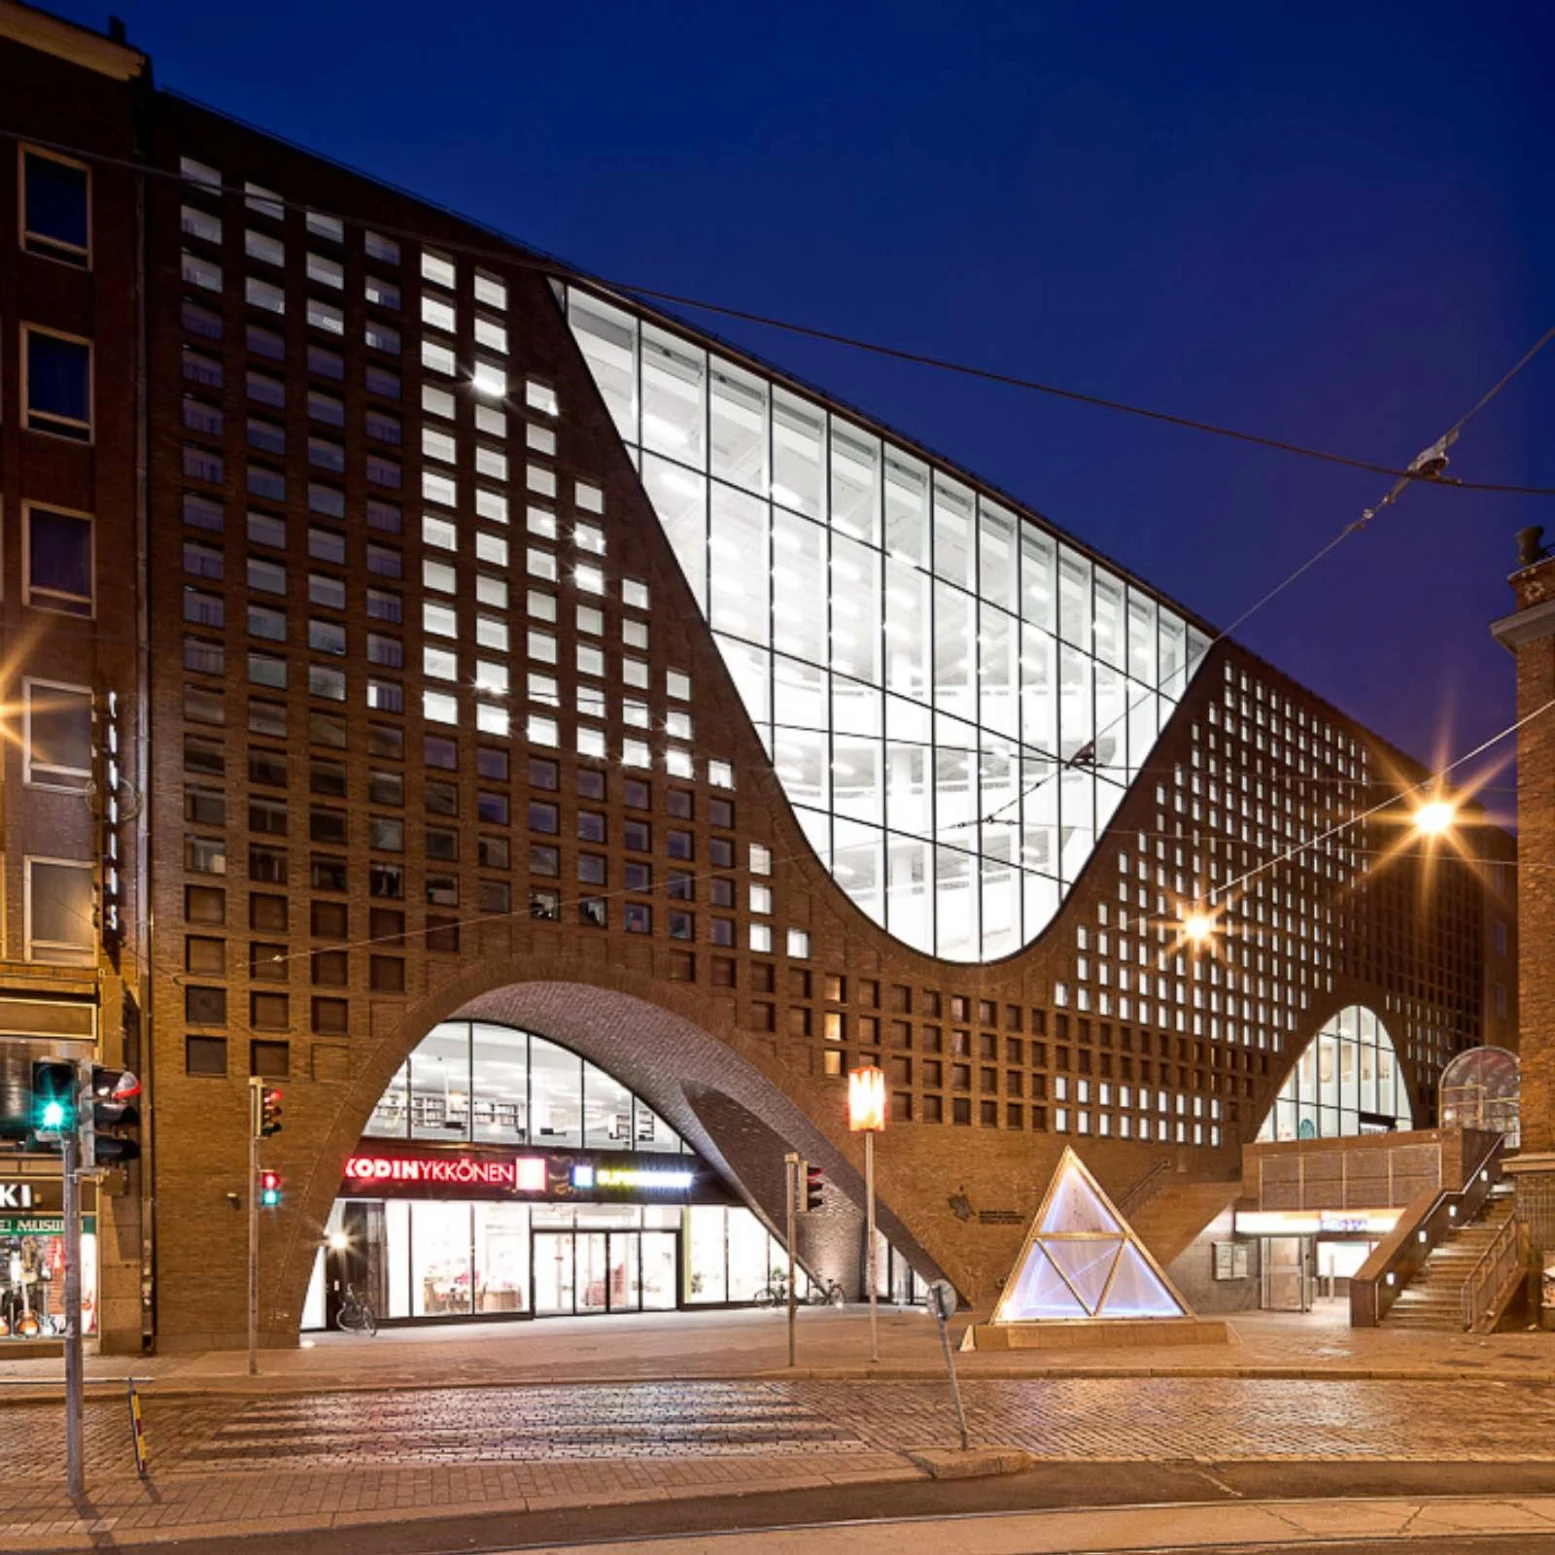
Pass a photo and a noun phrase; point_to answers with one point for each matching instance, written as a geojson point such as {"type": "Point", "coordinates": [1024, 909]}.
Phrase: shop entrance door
{"type": "Point", "coordinates": [625, 1290]}
{"type": "Point", "coordinates": [604, 1271]}
{"type": "Point", "coordinates": [551, 1259]}
{"type": "Point", "coordinates": [1287, 1273]}
{"type": "Point", "coordinates": [591, 1291]}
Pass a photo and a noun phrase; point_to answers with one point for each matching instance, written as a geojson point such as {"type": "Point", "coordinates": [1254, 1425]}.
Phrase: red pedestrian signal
{"type": "Point", "coordinates": [269, 1113]}
{"type": "Point", "coordinates": [269, 1190]}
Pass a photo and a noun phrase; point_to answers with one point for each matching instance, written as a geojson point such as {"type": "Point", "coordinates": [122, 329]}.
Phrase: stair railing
{"type": "Point", "coordinates": [1144, 1188]}
{"type": "Point", "coordinates": [1497, 1269]}
{"type": "Point", "coordinates": [1378, 1283]}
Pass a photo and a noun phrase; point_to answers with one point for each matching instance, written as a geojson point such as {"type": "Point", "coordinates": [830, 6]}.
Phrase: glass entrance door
{"type": "Point", "coordinates": [552, 1265]}
{"type": "Point", "coordinates": [604, 1271]}
{"type": "Point", "coordinates": [625, 1279]}
{"type": "Point", "coordinates": [591, 1291]}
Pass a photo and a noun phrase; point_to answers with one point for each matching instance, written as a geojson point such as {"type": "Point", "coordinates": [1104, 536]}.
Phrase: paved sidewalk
{"type": "Point", "coordinates": [730, 1344]}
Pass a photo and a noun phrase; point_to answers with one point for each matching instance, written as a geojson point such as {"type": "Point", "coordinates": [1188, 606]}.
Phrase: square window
{"type": "Point", "coordinates": [205, 1056]}
{"type": "Point", "coordinates": [60, 574]}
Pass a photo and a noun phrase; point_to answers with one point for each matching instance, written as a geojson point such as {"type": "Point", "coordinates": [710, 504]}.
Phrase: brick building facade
{"type": "Point", "coordinates": [436, 701]}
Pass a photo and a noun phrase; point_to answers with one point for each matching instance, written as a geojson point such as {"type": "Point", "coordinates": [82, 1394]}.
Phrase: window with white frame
{"type": "Point", "coordinates": [56, 207]}
{"type": "Point", "coordinates": [57, 735]}
{"type": "Point", "coordinates": [58, 910]}
{"type": "Point", "coordinates": [57, 383]}
{"type": "Point", "coordinates": [57, 563]}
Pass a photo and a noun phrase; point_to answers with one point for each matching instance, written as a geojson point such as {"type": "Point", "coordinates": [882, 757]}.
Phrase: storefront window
{"type": "Point", "coordinates": [651, 1132]}
{"type": "Point", "coordinates": [440, 1259]}
{"type": "Point", "coordinates": [607, 1111]}
{"type": "Point", "coordinates": [556, 1088]}
{"type": "Point", "coordinates": [752, 1259]}
{"type": "Point", "coordinates": [391, 1117]}
{"type": "Point", "coordinates": [501, 1084]}
{"type": "Point", "coordinates": [502, 1258]}
{"type": "Point", "coordinates": [440, 1084]}
{"type": "Point", "coordinates": [706, 1279]}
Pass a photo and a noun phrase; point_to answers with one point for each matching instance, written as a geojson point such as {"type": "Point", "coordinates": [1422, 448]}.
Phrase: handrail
{"type": "Point", "coordinates": [1490, 1271]}
{"type": "Point", "coordinates": [1137, 1194]}
{"type": "Point", "coordinates": [1376, 1284]}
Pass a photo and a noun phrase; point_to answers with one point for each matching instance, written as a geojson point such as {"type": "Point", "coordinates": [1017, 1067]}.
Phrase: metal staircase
{"type": "Point", "coordinates": [1465, 1281]}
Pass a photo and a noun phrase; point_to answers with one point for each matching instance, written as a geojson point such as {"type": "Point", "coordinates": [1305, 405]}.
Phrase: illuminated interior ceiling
{"type": "Point", "coordinates": [953, 698]}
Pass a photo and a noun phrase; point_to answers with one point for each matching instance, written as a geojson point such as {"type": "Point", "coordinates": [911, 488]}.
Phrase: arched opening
{"type": "Point", "coordinates": [1482, 1089]}
{"type": "Point", "coordinates": [553, 1149]}
{"type": "Point", "coordinates": [1348, 1080]}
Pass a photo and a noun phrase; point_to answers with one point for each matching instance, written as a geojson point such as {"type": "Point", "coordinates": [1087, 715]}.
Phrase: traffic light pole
{"type": "Point", "coordinates": [791, 1170]}
{"type": "Point", "coordinates": [75, 1476]}
{"type": "Point", "coordinates": [254, 1103]}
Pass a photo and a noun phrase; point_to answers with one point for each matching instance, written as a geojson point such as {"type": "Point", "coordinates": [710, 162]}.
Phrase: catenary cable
{"type": "Point", "coordinates": [1433, 456]}
{"type": "Point", "coordinates": [521, 256]}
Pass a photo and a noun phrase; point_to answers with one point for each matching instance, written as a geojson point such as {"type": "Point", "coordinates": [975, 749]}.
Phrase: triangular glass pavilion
{"type": "Point", "coordinates": [1082, 1261]}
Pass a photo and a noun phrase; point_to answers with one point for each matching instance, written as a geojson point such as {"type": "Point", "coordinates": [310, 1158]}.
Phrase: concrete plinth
{"type": "Point", "coordinates": [1107, 1333]}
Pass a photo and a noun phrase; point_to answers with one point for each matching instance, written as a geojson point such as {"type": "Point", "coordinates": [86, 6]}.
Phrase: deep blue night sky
{"type": "Point", "coordinates": [1332, 225]}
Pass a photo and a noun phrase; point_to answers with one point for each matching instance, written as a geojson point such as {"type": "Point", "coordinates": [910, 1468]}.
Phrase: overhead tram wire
{"type": "Point", "coordinates": [1429, 781]}
{"type": "Point", "coordinates": [521, 256]}
{"type": "Point", "coordinates": [1426, 466]}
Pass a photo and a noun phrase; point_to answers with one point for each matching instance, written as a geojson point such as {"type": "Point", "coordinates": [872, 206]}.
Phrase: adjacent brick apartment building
{"type": "Point", "coordinates": [545, 740]}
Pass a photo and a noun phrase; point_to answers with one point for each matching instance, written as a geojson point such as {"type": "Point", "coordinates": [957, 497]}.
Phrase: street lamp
{"type": "Point", "coordinates": [866, 1116]}
{"type": "Point", "coordinates": [1434, 817]}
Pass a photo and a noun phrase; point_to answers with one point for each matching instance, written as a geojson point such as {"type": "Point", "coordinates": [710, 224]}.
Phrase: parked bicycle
{"type": "Point", "coordinates": [775, 1293]}
{"type": "Point", "coordinates": [355, 1316]}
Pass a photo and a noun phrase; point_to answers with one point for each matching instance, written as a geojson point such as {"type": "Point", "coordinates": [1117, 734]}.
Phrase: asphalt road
{"type": "Point", "coordinates": [1047, 1485]}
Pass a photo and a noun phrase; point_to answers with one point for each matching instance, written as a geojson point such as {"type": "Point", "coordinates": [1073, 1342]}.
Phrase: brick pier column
{"type": "Point", "coordinates": [1529, 634]}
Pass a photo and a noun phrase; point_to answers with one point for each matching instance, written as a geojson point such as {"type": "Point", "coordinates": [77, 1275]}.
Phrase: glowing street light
{"type": "Point", "coordinates": [1197, 927]}
{"type": "Point", "coordinates": [866, 1116]}
{"type": "Point", "coordinates": [1434, 817]}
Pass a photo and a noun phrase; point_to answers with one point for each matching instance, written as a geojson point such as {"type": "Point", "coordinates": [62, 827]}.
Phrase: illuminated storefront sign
{"type": "Point", "coordinates": [551, 1176]}
{"type": "Point", "coordinates": [639, 1177]}
{"type": "Point", "coordinates": [522, 1174]}
{"type": "Point", "coordinates": [1312, 1222]}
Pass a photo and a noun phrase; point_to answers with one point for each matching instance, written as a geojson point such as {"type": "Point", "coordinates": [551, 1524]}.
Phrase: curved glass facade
{"type": "Point", "coordinates": [1347, 1081]}
{"type": "Point", "coordinates": [953, 699]}
{"type": "Point", "coordinates": [488, 1084]}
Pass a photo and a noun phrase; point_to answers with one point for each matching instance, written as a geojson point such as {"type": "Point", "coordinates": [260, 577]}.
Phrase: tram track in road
{"type": "Point", "coordinates": [908, 1516]}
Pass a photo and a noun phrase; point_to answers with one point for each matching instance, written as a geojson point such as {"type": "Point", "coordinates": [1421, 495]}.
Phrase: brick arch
{"type": "Point", "coordinates": [734, 1103]}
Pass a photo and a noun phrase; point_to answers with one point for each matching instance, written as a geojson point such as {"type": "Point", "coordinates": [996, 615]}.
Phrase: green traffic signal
{"type": "Point", "coordinates": [54, 1098]}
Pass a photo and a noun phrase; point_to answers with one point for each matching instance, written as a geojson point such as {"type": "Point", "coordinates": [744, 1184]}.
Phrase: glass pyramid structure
{"type": "Point", "coordinates": [1082, 1262]}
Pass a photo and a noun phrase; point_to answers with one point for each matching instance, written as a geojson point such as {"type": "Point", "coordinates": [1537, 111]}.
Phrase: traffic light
{"type": "Point", "coordinates": [814, 1184]}
{"type": "Point", "coordinates": [110, 1119]}
{"type": "Point", "coordinates": [269, 1190]}
{"type": "Point", "coordinates": [269, 1120]}
{"type": "Point", "coordinates": [55, 1104]}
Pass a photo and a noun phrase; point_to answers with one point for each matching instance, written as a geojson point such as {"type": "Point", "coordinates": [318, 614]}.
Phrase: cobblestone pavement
{"type": "Point", "coordinates": [1153, 1419]}
{"type": "Point", "coordinates": [220, 1462]}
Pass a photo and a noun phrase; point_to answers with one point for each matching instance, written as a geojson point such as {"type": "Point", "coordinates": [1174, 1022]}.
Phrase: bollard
{"type": "Point", "coordinates": [942, 1297]}
{"type": "Point", "coordinates": [137, 1430]}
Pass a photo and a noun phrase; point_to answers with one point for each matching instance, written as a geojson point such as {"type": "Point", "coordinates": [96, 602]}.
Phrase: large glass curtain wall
{"type": "Point", "coordinates": [488, 1084]}
{"type": "Point", "coordinates": [953, 699]}
{"type": "Point", "coordinates": [1348, 1068]}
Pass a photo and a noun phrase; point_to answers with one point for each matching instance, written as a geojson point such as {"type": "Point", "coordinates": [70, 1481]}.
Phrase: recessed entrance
{"type": "Point", "coordinates": [580, 1272]}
